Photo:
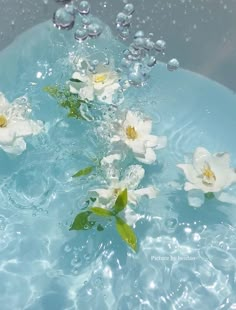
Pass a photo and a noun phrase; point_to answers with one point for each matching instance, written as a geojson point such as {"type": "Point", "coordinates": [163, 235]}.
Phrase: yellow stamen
{"type": "Point", "coordinates": [208, 175]}
{"type": "Point", "coordinates": [100, 78]}
{"type": "Point", "coordinates": [3, 121]}
{"type": "Point", "coordinates": [131, 133]}
{"type": "Point", "coordinates": [116, 191]}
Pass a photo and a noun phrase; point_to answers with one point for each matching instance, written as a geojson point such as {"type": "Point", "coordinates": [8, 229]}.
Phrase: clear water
{"type": "Point", "coordinates": [186, 258]}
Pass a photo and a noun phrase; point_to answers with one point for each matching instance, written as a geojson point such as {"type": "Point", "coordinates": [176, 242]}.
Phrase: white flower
{"type": "Point", "coordinates": [135, 132]}
{"type": "Point", "coordinates": [14, 126]}
{"type": "Point", "coordinates": [132, 178]}
{"type": "Point", "coordinates": [101, 85]}
{"type": "Point", "coordinates": [208, 173]}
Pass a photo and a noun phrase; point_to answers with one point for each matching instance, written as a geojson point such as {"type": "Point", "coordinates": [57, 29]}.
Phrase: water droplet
{"type": "Point", "coordinates": [81, 34]}
{"type": "Point", "coordinates": [94, 30]}
{"type": "Point", "coordinates": [84, 7]}
{"type": "Point", "coordinates": [173, 64]}
{"type": "Point", "coordinates": [160, 46]}
{"type": "Point", "coordinates": [63, 20]}
{"type": "Point", "coordinates": [128, 9]}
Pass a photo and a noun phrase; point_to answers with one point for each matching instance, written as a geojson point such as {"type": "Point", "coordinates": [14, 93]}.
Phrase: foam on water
{"type": "Point", "coordinates": [186, 257]}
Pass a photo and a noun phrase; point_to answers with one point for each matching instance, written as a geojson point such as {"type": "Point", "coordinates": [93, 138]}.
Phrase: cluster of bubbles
{"type": "Point", "coordinates": [123, 21]}
{"type": "Point", "coordinates": [64, 18]}
{"type": "Point", "coordinates": [142, 55]}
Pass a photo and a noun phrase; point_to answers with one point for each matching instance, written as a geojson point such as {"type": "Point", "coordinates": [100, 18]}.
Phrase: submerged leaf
{"type": "Point", "coordinates": [52, 91]}
{"type": "Point", "coordinates": [67, 100]}
{"type": "Point", "coordinates": [82, 222]}
{"type": "Point", "coordinates": [101, 211]}
{"type": "Point", "coordinates": [121, 201]}
{"type": "Point", "coordinates": [83, 172]}
{"type": "Point", "coordinates": [126, 233]}
{"type": "Point", "coordinates": [210, 195]}
{"type": "Point", "coordinates": [75, 80]}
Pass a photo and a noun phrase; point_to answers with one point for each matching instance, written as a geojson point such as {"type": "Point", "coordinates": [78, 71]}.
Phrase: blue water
{"type": "Point", "coordinates": [186, 258]}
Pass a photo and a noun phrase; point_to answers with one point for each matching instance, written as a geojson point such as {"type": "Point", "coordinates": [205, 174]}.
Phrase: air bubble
{"type": "Point", "coordinates": [128, 9]}
{"type": "Point", "coordinates": [151, 61]}
{"type": "Point", "coordinates": [160, 46]}
{"type": "Point", "coordinates": [122, 19]}
{"type": "Point", "coordinates": [94, 30]}
{"type": "Point", "coordinates": [84, 7]}
{"type": "Point", "coordinates": [63, 19]}
{"type": "Point", "coordinates": [173, 64]}
{"type": "Point", "coordinates": [139, 34]}
{"type": "Point", "coordinates": [81, 34]}
{"type": "Point", "coordinates": [86, 20]}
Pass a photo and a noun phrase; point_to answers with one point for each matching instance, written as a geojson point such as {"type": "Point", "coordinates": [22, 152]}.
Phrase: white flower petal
{"type": "Point", "coordinates": [152, 141]}
{"type": "Point", "coordinates": [226, 197]}
{"type": "Point", "coordinates": [196, 198]}
{"type": "Point", "coordinates": [162, 142]}
{"type": "Point", "coordinates": [87, 92]}
{"type": "Point", "coordinates": [133, 176]}
{"type": "Point", "coordinates": [16, 148]}
{"type": "Point", "coordinates": [201, 155]}
{"type": "Point", "coordinates": [115, 139]}
{"type": "Point", "coordinates": [73, 89]}
{"type": "Point", "coordinates": [146, 126]}
{"type": "Point", "coordinates": [108, 160]}
{"type": "Point", "coordinates": [7, 136]}
{"type": "Point", "coordinates": [26, 127]}
{"type": "Point", "coordinates": [131, 217]}
{"type": "Point", "coordinates": [80, 77]}
{"type": "Point", "coordinates": [189, 186]}
{"type": "Point", "coordinates": [104, 195]}
{"type": "Point", "coordinates": [137, 146]}
{"type": "Point", "coordinates": [151, 192]}
{"type": "Point", "coordinates": [4, 104]}
{"type": "Point", "coordinates": [149, 157]}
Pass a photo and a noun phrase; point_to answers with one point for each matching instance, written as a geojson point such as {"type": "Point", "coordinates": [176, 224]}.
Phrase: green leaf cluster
{"type": "Point", "coordinates": [67, 100]}
{"type": "Point", "coordinates": [126, 232]}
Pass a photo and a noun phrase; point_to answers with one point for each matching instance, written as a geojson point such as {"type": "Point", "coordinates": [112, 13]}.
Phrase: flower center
{"type": "Point", "coordinates": [208, 175]}
{"type": "Point", "coordinates": [100, 78]}
{"type": "Point", "coordinates": [116, 191]}
{"type": "Point", "coordinates": [3, 121]}
{"type": "Point", "coordinates": [131, 133]}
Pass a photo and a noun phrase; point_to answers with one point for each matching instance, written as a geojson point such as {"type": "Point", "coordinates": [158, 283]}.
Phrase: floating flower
{"type": "Point", "coordinates": [208, 173]}
{"type": "Point", "coordinates": [132, 178]}
{"type": "Point", "coordinates": [135, 132]}
{"type": "Point", "coordinates": [14, 126]}
{"type": "Point", "coordinates": [100, 85]}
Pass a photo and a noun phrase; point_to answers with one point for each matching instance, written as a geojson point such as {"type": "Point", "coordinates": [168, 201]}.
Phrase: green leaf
{"type": "Point", "coordinates": [52, 91]}
{"type": "Point", "coordinates": [126, 233]}
{"type": "Point", "coordinates": [75, 80]}
{"type": "Point", "coordinates": [83, 172]}
{"type": "Point", "coordinates": [82, 222]}
{"type": "Point", "coordinates": [67, 100]}
{"type": "Point", "coordinates": [121, 201]}
{"type": "Point", "coordinates": [209, 195]}
{"type": "Point", "coordinates": [101, 211]}
{"type": "Point", "coordinates": [100, 227]}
